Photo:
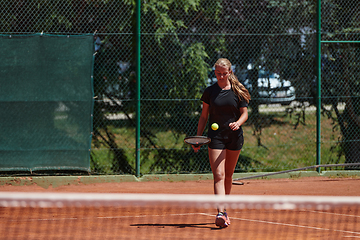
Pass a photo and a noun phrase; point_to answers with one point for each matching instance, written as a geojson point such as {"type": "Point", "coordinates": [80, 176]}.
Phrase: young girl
{"type": "Point", "coordinates": [224, 103]}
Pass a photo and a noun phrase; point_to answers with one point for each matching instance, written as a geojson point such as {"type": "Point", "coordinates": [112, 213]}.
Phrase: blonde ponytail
{"type": "Point", "coordinates": [238, 88]}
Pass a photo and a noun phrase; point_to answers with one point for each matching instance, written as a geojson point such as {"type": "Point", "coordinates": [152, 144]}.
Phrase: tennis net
{"type": "Point", "coordinates": [175, 216]}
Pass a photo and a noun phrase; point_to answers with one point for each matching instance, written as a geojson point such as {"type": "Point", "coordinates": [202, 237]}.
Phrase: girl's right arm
{"type": "Point", "coordinates": [202, 122]}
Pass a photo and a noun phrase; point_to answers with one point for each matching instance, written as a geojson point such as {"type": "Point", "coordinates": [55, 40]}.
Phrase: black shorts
{"type": "Point", "coordinates": [230, 144]}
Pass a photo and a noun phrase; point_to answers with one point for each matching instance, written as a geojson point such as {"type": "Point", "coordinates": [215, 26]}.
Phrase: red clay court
{"type": "Point", "coordinates": [171, 222]}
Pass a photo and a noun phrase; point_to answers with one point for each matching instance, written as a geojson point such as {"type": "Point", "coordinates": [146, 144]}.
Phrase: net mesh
{"type": "Point", "coordinates": [173, 216]}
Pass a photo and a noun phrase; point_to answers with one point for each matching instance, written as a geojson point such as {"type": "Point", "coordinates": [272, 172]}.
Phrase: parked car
{"type": "Point", "coordinates": [271, 89]}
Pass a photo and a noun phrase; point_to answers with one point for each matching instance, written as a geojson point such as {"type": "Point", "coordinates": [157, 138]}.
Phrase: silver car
{"type": "Point", "coordinates": [271, 88]}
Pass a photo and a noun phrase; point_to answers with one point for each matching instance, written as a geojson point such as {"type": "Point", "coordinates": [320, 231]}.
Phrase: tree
{"type": "Point", "coordinates": [341, 77]}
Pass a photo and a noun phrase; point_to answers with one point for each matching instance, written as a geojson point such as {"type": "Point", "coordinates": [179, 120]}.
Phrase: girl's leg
{"type": "Point", "coordinates": [223, 164]}
{"type": "Point", "coordinates": [217, 163]}
{"type": "Point", "coordinates": [230, 164]}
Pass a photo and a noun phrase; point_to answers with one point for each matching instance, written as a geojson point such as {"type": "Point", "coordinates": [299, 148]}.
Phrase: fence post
{"type": "Point", "coordinates": [318, 77]}
{"type": "Point", "coordinates": [138, 61]}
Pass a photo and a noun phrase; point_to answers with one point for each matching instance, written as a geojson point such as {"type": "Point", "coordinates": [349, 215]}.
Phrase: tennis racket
{"type": "Point", "coordinates": [197, 141]}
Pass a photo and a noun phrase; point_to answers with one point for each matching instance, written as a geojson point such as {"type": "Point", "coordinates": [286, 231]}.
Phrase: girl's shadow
{"type": "Point", "coordinates": [178, 225]}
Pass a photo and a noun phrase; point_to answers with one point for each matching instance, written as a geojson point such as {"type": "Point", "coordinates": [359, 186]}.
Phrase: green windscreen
{"type": "Point", "coordinates": [46, 102]}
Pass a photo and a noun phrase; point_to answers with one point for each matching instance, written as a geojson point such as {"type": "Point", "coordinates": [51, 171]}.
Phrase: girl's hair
{"type": "Point", "coordinates": [236, 86]}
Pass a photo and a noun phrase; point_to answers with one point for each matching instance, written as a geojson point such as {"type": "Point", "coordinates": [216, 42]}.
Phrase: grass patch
{"type": "Point", "coordinates": [284, 146]}
{"type": "Point", "coordinates": [281, 144]}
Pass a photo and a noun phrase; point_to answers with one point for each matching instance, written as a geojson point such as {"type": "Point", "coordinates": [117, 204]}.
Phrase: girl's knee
{"type": "Point", "coordinates": [219, 176]}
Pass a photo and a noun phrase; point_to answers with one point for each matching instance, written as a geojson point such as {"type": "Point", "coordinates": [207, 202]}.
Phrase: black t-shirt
{"type": "Point", "coordinates": [224, 108]}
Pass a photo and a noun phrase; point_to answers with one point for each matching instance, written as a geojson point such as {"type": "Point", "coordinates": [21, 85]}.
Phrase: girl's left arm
{"type": "Point", "coordinates": [243, 117]}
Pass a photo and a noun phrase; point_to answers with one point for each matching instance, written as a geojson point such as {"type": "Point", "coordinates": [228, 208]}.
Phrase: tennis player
{"type": "Point", "coordinates": [224, 103]}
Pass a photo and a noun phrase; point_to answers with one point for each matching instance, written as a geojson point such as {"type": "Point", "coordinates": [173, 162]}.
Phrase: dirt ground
{"type": "Point", "coordinates": [324, 186]}
{"type": "Point", "coordinates": [169, 223]}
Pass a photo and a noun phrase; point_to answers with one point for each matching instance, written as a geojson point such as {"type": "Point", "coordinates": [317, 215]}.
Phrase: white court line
{"type": "Point", "coordinates": [337, 214]}
{"type": "Point", "coordinates": [291, 225]}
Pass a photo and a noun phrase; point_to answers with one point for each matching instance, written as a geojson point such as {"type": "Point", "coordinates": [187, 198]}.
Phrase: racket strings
{"type": "Point", "coordinates": [197, 140]}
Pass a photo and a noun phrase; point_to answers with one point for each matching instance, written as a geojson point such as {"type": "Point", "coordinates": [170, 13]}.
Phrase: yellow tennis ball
{"type": "Point", "coordinates": [214, 126]}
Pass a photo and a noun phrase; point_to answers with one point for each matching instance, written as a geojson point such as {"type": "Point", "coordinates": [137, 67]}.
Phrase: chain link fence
{"type": "Point", "coordinates": [340, 77]}
{"type": "Point", "coordinates": [272, 47]}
